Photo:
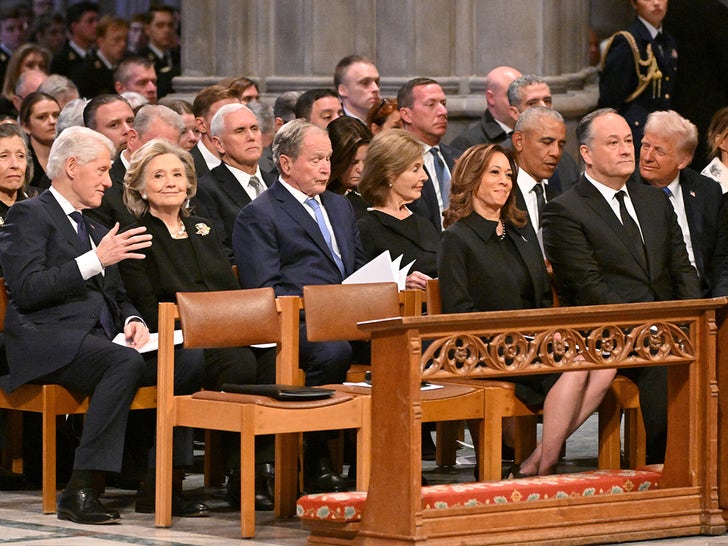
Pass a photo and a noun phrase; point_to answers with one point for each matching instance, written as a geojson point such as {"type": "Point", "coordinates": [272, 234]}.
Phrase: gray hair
{"type": "Point", "coordinates": [264, 114]}
{"type": "Point", "coordinates": [672, 125]}
{"type": "Point", "coordinates": [217, 125]}
{"type": "Point", "coordinates": [135, 100]}
{"type": "Point", "coordinates": [289, 139]}
{"type": "Point", "coordinates": [71, 115]}
{"type": "Point", "coordinates": [10, 130]}
{"type": "Point", "coordinates": [80, 142]}
{"type": "Point", "coordinates": [135, 184]}
{"type": "Point", "coordinates": [531, 117]}
{"type": "Point", "coordinates": [514, 89]}
{"type": "Point", "coordinates": [60, 88]}
{"type": "Point", "coordinates": [584, 134]}
{"type": "Point", "coordinates": [285, 105]}
{"type": "Point", "coordinates": [152, 112]}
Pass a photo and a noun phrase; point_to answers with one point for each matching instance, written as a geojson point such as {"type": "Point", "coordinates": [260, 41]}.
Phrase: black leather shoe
{"type": "Point", "coordinates": [264, 487]}
{"type": "Point", "coordinates": [321, 478]}
{"type": "Point", "coordinates": [181, 507]}
{"type": "Point", "coordinates": [84, 506]}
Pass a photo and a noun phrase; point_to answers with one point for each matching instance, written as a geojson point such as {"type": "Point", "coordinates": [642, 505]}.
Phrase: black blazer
{"type": "Point", "coordinates": [222, 197]}
{"type": "Point", "coordinates": [201, 168]}
{"type": "Point", "coordinates": [593, 260]}
{"type": "Point", "coordinates": [702, 197]}
{"type": "Point", "coordinates": [470, 279]}
{"type": "Point", "coordinates": [380, 231]}
{"type": "Point", "coordinates": [484, 131]}
{"type": "Point", "coordinates": [51, 308]}
{"type": "Point", "coordinates": [164, 272]}
{"type": "Point", "coordinates": [427, 205]}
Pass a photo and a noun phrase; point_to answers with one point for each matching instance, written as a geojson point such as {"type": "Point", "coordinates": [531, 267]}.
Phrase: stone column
{"type": "Point", "coordinates": [295, 44]}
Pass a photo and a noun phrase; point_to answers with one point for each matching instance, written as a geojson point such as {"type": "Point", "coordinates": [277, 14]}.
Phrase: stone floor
{"type": "Point", "coordinates": [22, 523]}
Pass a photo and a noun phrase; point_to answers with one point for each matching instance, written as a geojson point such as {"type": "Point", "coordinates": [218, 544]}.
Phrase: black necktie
{"type": "Point", "coordinates": [660, 41]}
{"type": "Point", "coordinates": [540, 201]}
{"type": "Point", "coordinates": [443, 177]}
{"type": "Point", "coordinates": [105, 316]}
{"type": "Point", "coordinates": [630, 226]}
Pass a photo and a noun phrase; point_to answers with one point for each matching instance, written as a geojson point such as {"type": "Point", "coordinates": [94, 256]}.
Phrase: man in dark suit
{"type": "Point", "coordinates": [539, 138]}
{"type": "Point", "coordinates": [423, 107]}
{"type": "Point", "coordinates": [238, 179]}
{"type": "Point", "coordinates": [613, 240]}
{"type": "Point", "coordinates": [66, 302]}
{"type": "Point", "coordinates": [81, 21]}
{"type": "Point", "coordinates": [160, 30]}
{"type": "Point", "coordinates": [206, 104]}
{"type": "Point", "coordinates": [96, 74]}
{"type": "Point", "coordinates": [296, 234]}
{"type": "Point", "coordinates": [529, 91]}
{"type": "Point", "coordinates": [152, 121]}
{"type": "Point", "coordinates": [668, 146]}
{"type": "Point", "coordinates": [496, 125]}
{"type": "Point", "coordinates": [112, 116]}
{"type": "Point", "coordinates": [136, 74]}
{"type": "Point", "coordinates": [639, 68]}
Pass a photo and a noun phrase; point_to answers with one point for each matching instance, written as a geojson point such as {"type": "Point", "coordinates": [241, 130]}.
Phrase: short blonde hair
{"type": "Point", "coordinates": [135, 184]}
{"type": "Point", "coordinates": [389, 154]}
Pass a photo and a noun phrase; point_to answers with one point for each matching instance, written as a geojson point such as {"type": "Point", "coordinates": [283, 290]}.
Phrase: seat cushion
{"type": "Point", "coordinates": [347, 507]}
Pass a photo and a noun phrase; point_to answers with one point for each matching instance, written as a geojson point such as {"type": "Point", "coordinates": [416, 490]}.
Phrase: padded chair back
{"type": "Point", "coordinates": [333, 311]}
{"type": "Point", "coordinates": [231, 318]}
{"type": "Point", "coordinates": [432, 297]}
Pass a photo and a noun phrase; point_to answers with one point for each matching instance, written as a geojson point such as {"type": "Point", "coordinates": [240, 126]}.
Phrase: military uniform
{"type": "Point", "coordinates": [166, 68]}
{"type": "Point", "coordinates": [638, 75]}
{"type": "Point", "coordinates": [66, 62]}
{"type": "Point", "coordinates": [93, 77]}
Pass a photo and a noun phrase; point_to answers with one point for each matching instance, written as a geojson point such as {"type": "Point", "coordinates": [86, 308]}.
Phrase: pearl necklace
{"type": "Point", "coordinates": [180, 232]}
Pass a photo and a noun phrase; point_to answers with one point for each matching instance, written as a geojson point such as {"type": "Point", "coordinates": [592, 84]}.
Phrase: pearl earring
{"type": "Point", "coordinates": [144, 196]}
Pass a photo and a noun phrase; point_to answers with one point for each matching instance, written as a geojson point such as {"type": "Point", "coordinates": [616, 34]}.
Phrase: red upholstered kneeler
{"type": "Point", "coordinates": [348, 507]}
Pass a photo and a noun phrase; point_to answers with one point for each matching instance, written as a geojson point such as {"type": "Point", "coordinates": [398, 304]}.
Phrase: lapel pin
{"type": "Point", "coordinates": [692, 193]}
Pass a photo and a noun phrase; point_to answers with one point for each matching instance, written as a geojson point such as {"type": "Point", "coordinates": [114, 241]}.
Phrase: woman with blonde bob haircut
{"type": "Point", "coordinates": [187, 255]}
{"type": "Point", "coordinates": [393, 176]}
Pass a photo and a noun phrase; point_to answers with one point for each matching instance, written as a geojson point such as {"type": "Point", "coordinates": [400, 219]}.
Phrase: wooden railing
{"type": "Point", "coordinates": [680, 335]}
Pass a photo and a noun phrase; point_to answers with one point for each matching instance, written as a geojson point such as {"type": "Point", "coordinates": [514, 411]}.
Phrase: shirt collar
{"type": "Point", "coordinates": [104, 60]}
{"type": "Point", "coordinates": [242, 176]}
{"type": "Point", "coordinates": [158, 52]}
{"type": "Point", "coordinates": [652, 30]}
{"type": "Point", "coordinates": [607, 192]}
{"type": "Point", "coordinates": [77, 48]}
{"type": "Point", "coordinates": [298, 194]}
{"type": "Point", "coordinates": [526, 181]}
{"type": "Point", "coordinates": [65, 203]}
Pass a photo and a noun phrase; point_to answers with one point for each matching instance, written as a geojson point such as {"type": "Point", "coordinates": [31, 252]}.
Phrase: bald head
{"type": "Point", "coordinates": [496, 92]}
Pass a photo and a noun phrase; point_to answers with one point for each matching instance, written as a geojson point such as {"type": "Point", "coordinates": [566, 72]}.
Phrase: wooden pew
{"type": "Point", "coordinates": [398, 510]}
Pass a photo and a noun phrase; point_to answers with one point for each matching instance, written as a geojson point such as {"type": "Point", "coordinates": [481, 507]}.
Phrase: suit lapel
{"type": "Point", "coordinates": [531, 259]}
{"type": "Point", "coordinates": [298, 214]}
{"type": "Point", "coordinates": [231, 186]}
{"type": "Point", "coordinates": [62, 222]}
{"type": "Point", "coordinates": [599, 205]}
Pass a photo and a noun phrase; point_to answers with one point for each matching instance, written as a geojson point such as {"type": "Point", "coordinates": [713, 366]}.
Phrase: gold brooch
{"type": "Point", "coordinates": [202, 229]}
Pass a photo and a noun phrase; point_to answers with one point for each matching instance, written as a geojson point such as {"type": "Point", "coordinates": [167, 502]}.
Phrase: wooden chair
{"type": "Point", "coordinates": [50, 401]}
{"type": "Point", "coordinates": [332, 314]}
{"type": "Point", "coordinates": [238, 318]}
{"type": "Point", "coordinates": [502, 402]}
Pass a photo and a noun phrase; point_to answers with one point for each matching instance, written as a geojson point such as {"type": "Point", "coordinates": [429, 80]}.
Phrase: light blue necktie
{"type": "Point", "coordinates": [443, 176]}
{"type": "Point", "coordinates": [667, 191]}
{"type": "Point", "coordinates": [325, 232]}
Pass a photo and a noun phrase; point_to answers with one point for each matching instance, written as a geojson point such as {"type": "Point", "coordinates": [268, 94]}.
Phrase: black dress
{"type": "Point", "coordinates": [480, 271]}
{"type": "Point", "coordinates": [197, 263]}
{"type": "Point", "coordinates": [414, 237]}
